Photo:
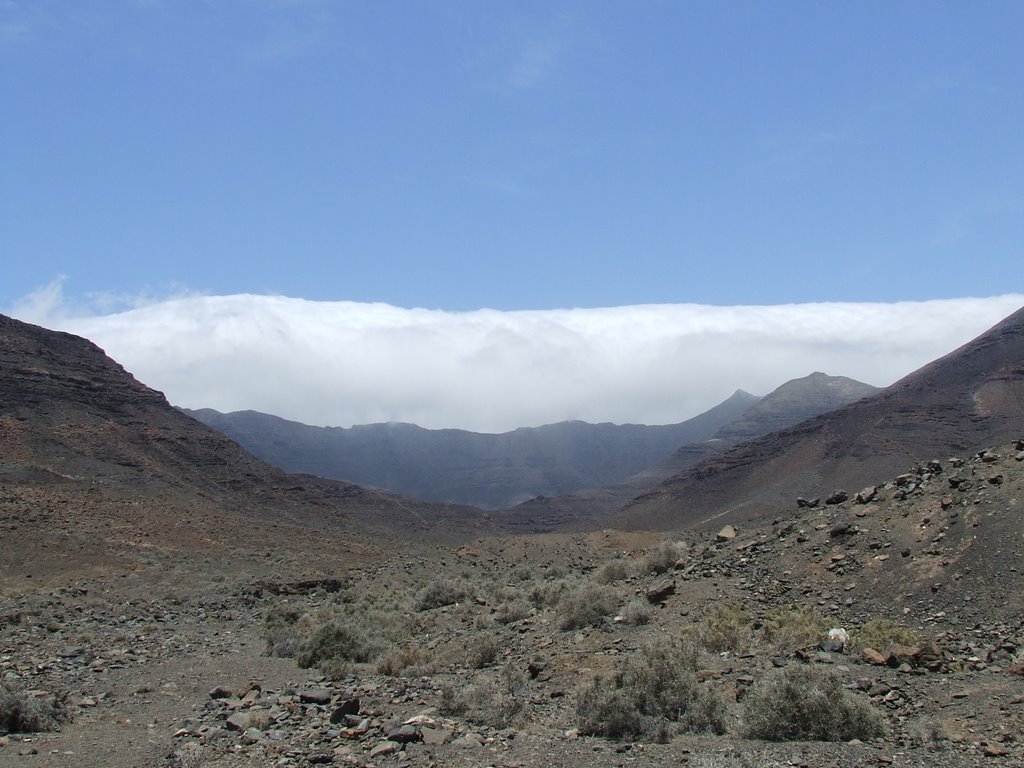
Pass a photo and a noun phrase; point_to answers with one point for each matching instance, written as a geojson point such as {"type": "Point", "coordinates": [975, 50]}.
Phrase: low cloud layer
{"type": "Point", "coordinates": [344, 363]}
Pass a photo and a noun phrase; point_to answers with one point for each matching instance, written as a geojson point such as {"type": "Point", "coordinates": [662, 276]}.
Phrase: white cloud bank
{"type": "Point", "coordinates": [344, 363]}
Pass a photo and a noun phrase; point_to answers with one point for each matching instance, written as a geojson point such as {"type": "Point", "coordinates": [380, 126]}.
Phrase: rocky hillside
{"type": "Point", "coordinates": [95, 462]}
{"type": "Point", "coordinates": [485, 470]}
{"type": "Point", "coordinates": [968, 399]}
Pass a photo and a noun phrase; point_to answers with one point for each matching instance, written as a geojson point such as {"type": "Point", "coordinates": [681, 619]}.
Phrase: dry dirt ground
{"type": "Point", "coordinates": [477, 655]}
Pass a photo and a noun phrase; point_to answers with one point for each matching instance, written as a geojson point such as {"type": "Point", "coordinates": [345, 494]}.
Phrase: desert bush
{"type": "Point", "coordinates": [547, 595]}
{"type": "Point", "coordinates": [441, 592]}
{"type": "Point", "coordinates": [657, 689]}
{"type": "Point", "coordinates": [493, 702]}
{"type": "Point", "coordinates": [512, 610]}
{"type": "Point", "coordinates": [662, 558]}
{"type": "Point", "coordinates": [880, 634]}
{"type": "Point", "coordinates": [603, 708]}
{"type": "Point", "coordinates": [585, 605]}
{"type": "Point", "coordinates": [280, 629]}
{"type": "Point", "coordinates": [726, 628]}
{"type": "Point", "coordinates": [804, 703]}
{"type": "Point", "coordinates": [930, 734]}
{"type": "Point", "coordinates": [611, 572]}
{"type": "Point", "coordinates": [636, 612]}
{"type": "Point", "coordinates": [24, 713]}
{"type": "Point", "coordinates": [333, 641]}
{"type": "Point", "coordinates": [482, 651]}
{"type": "Point", "coordinates": [787, 630]}
{"type": "Point", "coordinates": [405, 659]}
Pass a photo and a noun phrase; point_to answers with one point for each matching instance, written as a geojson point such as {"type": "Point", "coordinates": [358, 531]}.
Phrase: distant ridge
{"type": "Point", "coordinates": [964, 401]}
{"type": "Point", "coordinates": [451, 465]}
{"type": "Point", "coordinates": [788, 404]}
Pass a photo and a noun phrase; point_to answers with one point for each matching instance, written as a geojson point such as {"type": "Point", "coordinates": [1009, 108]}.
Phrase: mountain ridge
{"type": "Point", "coordinates": [972, 396]}
{"type": "Point", "coordinates": [482, 469]}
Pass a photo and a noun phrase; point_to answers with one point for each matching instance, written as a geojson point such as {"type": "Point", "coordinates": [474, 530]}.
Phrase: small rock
{"type": "Point", "coordinates": [348, 706]}
{"type": "Point", "coordinates": [405, 734]}
{"type": "Point", "coordinates": [315, 696]}
{"type": "Point", "coordinates": [384, 748]}
{"type": "Point", "coordinates": [866, 495]}
{"type": "Point", "coordinates": [661, 592]}
{"type": "Point", "coordinates": [728, 533]}
{"type": "Point", "coordinates": [837, 497]}
{"type": "Point", "coordinates": [871, 656]}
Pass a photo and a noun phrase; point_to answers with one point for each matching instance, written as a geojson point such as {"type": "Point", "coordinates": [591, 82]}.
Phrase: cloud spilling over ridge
{"type": "Point", "coordinates": [344, 363]}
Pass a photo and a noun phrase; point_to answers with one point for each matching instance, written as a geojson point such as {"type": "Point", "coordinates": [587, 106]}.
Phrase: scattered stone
{"type": "Point", "coordinates": [871, 656]}
{"type": "Point", "coordinates": [315, 696]}
{"type": "Point", "coordinates": [239, 721]}
{"type": "Point", "coordinates": [404, 734]}
{"type": "Point", "coordinates": [537, 666]}
{"type": "Point", "coordinates": [837, 497]}
{"type": "Point", "coordinates": [728, 533]}
{"type": "Point", "coordinates": [661, 592]}
{"type": "Point", "coordinates": [384, 748]}
{"type": "Point", "coordinates": [866, 495]}
{"type": "Point", "coordinates": [803, 503]}
{"type": "Point", "coordinates": [346, 707]}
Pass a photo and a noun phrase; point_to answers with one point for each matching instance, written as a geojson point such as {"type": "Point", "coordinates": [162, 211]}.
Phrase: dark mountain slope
{"type": "Point", "coordinates": [789, 404]}
{"type": "Point", "coordinates": [964, 401]}
{"type": "Point", "coordinates": [486, 470]}
{"type": "Point", "coordinates": [89, 454]}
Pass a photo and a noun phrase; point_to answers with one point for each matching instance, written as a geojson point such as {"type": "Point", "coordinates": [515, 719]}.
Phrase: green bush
{"type": "Point", "coordinates": [804, 703]}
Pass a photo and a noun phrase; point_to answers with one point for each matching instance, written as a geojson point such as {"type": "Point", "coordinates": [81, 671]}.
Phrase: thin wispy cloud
{"type": "Point", "coordinates": [535, 60]}
{"type": "Point", "coordinates": [344, 363]}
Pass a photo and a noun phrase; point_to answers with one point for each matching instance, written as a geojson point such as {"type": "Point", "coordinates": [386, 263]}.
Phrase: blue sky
{"type": "Point", "coordinates": [245, 201]}
{"type": "Point", "coordinates": [512, 155]}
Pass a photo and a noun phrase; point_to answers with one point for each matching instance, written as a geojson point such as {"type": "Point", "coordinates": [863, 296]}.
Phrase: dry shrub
{"type": "Point", "coordinates": [726, 628]}
{"type": "Point", "coordinates": [441, 592]}
{"type": "Point", "coordinates": [788, 630]}
{"type": "Point", "coordinates": [280, 630]}
{"type": "Point", "coordinates": [585, 605]}
{"type": "Point", "coordinates": [636, 612]}
{"type": "Point", "coordinates": [21, 712]}
{"type": "Point", "coordinates": [333, 641]}
{"type": "Point", "coordinates": [482, 651]}
{"type": "Point", "coordinates": [405, 660]}
{"type": "Point", "coordinates": [804, 703]}
{"type": "Point", "coordinates": [493, 702]}
{"type": "Point", "coordinates": [656, 692]}
{"type": "Point", "coordinates": [512, 610]}
{"type": "Point", "coordinates": [662, 558]}
{"type": "Point", "coordinates": [882, 633]}
{"type": "Point", "coordinates": [611, 572]}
